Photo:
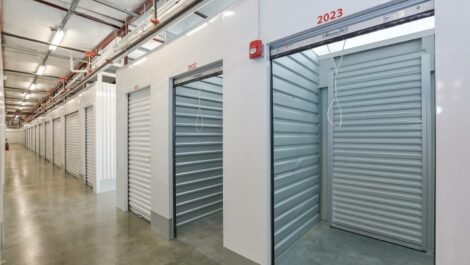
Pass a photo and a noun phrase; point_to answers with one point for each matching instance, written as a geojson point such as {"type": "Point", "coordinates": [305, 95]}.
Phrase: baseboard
{"type": "Point", "coordinates": [232, 258]}
{"type": "Point", "coordinates": [162, 225]}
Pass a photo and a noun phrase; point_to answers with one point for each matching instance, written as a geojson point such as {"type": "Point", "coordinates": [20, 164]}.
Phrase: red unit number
{"type": "Point", "coordinates": [192, 66]}
{"type": "Point", "coordinates": [329, 16]}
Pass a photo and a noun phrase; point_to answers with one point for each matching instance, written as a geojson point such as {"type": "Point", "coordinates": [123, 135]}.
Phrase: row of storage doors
{"type": "Point", "coordinates": [46, 140]}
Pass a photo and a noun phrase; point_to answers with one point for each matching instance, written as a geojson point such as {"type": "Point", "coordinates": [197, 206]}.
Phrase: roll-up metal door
{"type": "Point", "coordinates": [49, 141]}
{"type": "Point", "coordinates": [379, 158]}
{"type": "Point", "coordinates": [139, 153]}
{"type": "Point", "coordinates": [198, 152]}
{"type": "Point", "coordinates": [37, 140]}
{"type": "Point", "coordinates": [296, 151]}
{"type": "Point", "coordinates": [72, 144]}
{"type": "Point", "coordinates": [42, 140]}
{"type": "Point", "coordinates": [90, 145]}
{"type": "Point", "coordinates": [57, 143]}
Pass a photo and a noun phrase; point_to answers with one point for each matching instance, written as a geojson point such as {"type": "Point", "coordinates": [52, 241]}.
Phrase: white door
{"type": "Point", "coordinates": [139, 153]}
{"type": "Point", "coordinates": [36, 140]}
{"type": "Point", "coordinates": [90, 146]}
{"type": "Point", "coordinates": [48, 141]}
{"type": "Point", "coordinates": [42, 140]}
{"type": "Point", "coordinates": [57, 143]}
{"type": "Point", "coordinates": [72, 144]}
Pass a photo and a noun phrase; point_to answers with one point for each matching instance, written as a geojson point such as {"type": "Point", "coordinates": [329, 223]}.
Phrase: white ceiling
{"type": "Point", "coordinates": [35, 20]}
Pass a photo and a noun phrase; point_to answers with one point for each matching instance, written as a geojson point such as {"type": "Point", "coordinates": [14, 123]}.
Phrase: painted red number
{"type": "Point", "coordinates": [330, 16]}
{"type": "Point", "coordinates": [192, 66]}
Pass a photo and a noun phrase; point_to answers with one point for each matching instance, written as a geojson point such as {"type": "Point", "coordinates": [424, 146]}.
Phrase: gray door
{"type": "Point", "coordinates": [72, 144]}
{"type": "Point", "coordinates": [90, 145]}
{"type": "Point", "coordinates": [380, 157]}
{"type": "Point", "coordinates": [139, 153]}
{"type": "Point", "coordinates": [296, 152]}
{"type": "Point", "coordinates": [57, 142]}
{"type": "Point", "coordinates": [198, 153]}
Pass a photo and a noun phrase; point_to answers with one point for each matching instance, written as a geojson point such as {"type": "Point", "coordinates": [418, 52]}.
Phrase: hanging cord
{"type": "Point", "coordinates": [199, 118]}
{"type": "Point", "coordinates": [335, 89]}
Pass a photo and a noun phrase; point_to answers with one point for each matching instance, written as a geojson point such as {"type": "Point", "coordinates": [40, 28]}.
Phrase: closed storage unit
{"type": "Point", "coordinates": [381, 156]}
{"type": "Point", "coordinates": [72, 144]}
{"type": "Point", "coordinates": [42, 140]}
{"type": "Point", "coordinates": [37, 140]}
{"type": "Point", "coordinates": [57, 142]}
{"type": "Point", "coordinates": [90, 145]}
{"type": "Point", "coordinates": [139, 176]}
{"type": "Point", "coordinates": [48, 141]}
{"type": "Point", "coordinates": [198, 149]}
{"type": "Point", "coordinates": [296, 150]}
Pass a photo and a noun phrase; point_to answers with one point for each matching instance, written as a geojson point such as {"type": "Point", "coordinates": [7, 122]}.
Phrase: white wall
{"type": "Point", "coordinates": [453, 140]}
{"type": "Point", "coordinates": [15, 136]}
{"type": "Point", "coordinates": [204, 47]}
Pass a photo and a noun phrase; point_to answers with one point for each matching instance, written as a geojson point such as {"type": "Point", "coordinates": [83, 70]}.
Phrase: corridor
{"type": "Point", "coordinates": [53, 219]}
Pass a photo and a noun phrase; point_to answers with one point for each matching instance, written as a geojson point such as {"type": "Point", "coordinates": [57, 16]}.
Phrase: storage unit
{"type": "Point", "coordinates": [72, 144]}
{"type": "Point", "coordinates": [58, 154]}
{"type": "Point", "coordinates": [90, 146]}
{"type": "Point", "coordinates": [139, 176]}
{"type": "Point", "coordinates": [198, 148]}
{"type": "Point", "coordinates": [48, 141]}
{"type": "Point", "coordinates": [371, 171]}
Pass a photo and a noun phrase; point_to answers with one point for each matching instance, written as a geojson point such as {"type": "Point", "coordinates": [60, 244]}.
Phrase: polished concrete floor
{"type": "Point", "coordinates": [324, 245]}
{"type": "Point", "coordinates": [53, 219]}
{"type": "Point", "coordinates": [205, 236]}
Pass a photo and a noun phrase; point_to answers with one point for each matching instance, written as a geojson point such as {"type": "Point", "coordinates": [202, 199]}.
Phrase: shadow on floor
{"type": "Point", "coordinates": [205, 236]}
{"type": "Point", "coordinates": [324, 245]}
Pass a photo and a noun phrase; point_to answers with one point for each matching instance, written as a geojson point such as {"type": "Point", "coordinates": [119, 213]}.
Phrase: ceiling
{"type": "Point", "coordinates": [29, 26]}
{"type": "Point", "coordinates": [90, 23]}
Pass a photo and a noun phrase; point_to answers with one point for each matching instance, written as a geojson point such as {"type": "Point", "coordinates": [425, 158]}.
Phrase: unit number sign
{"type": "Point", "coordinates": [330, 16]}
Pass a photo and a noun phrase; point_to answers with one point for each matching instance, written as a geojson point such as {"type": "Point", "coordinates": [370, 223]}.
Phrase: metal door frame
{"type": "Point", "coordinates": [204, 72]}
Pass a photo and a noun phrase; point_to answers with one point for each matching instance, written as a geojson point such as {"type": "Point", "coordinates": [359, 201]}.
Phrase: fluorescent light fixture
{"type": "Point", "coordinates": [196, 29]}
{"type": "Point", "coordinates": [22, 103]}
{"type": "Point", "coordinates": [228, 13]}
{"type": "Point", "coordinates": [59, 35]}
{"type": "Point", "coordinates": [141, 60]}
{"type": "Point", "coordinates": [5, 77]}
{"type": "Point", "coordinates": [33, 86]}
{"type": "Point", "coordinates": [28, 95]}
{"type": "Point", "coordinates": [41, 70]}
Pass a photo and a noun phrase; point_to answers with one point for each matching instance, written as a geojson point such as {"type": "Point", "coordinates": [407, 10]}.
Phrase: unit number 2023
{"type": "Point", "coordinates": [329, 16]}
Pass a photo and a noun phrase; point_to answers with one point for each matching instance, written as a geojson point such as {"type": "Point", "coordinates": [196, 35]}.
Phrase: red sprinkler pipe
{"type": "Point", "coordinates": [155, 20]}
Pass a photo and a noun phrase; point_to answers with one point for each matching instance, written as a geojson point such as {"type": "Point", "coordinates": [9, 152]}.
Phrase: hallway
{"type": "Point", "coordinates": [51, 219]}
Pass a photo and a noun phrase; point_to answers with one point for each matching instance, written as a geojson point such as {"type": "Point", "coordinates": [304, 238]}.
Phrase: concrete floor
{"type": "Point", "coordinates": [205, 236]}
{"type": "Point", "coordinates": [324, 245]}
{"type": "Point", "coordinates": [52, 219]}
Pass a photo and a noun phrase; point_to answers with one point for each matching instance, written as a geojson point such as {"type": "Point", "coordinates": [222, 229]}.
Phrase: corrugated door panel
{"type": "Point", "coordinates": [72, 144]}
{"type": "Point", "coordinates": [90, 146]}
{"type": "Point", "coordinates": [377, 166]}
{"type": "Point", "coordinates": [57, 143]}
{"type": "Point", "coordinates": [42, 140]}
{"type": "Point", "coordinates": [198, 149]}
{"type": "Point", "coordinates": [139, 153]}
{"type": "Point", "coordinates": [49, 141]}
{"type": "Point", "coordinates": [296, 134]}
{"type": "Point", "coordinates": [37, 140]}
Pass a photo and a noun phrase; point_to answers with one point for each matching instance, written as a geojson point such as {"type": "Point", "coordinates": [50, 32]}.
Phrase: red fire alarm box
{"type": "Point", "coordinates": [256, 49]}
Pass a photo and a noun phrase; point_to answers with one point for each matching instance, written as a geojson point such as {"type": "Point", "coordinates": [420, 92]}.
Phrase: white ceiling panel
{"type": "Point", "coordinates": [83, 34]}
{"type": "Point", "coordinates": [29, 18]}
{"type": "Point", "coordinates": [21, 62]}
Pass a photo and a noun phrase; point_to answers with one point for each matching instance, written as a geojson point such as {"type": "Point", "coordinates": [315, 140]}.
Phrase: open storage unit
{"type": "Point", "coordinates": [352, 143]}
{"type": "Point", "coordinates": [198, 159]}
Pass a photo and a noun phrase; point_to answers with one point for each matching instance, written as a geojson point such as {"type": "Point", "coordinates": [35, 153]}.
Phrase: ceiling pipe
{"type": "Point", "coordinates": [8, 34]}
{"type": "Point", "coordinates": [116, 56]}
{"type": "Point", "coordinates": [75, 70]}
